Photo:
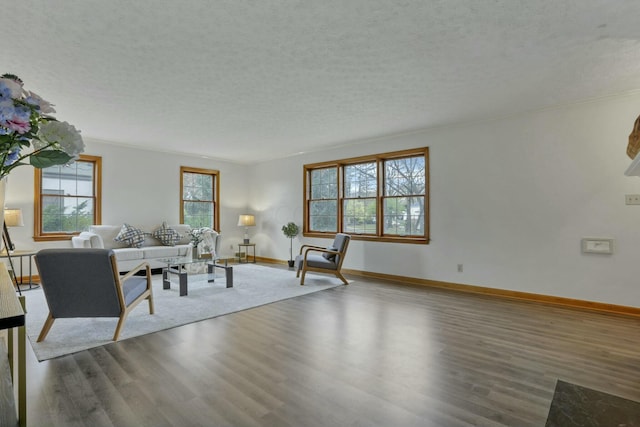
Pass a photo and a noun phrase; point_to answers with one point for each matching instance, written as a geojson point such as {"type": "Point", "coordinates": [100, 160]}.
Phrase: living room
{"type": "Point", "coordinates": [548, 179]}
{"type": "Point", "coordinates": [513, 192]}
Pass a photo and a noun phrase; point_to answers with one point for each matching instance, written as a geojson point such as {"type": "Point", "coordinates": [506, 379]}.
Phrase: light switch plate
{"type": "Point", "coordinates": [632, 199]}
{"type": "Point", "coordinates": [597, 246]}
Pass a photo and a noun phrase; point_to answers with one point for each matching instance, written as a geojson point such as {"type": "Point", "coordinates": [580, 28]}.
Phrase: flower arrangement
{"type": "Point", "coordinates": [196, 235]}
{"type": "Point", "coordinates": [28, 131]}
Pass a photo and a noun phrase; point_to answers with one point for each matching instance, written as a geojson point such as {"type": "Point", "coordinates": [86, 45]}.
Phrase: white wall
{"type": "Point", "coordinates": [140, 187]}
{"type": "Point", "coordinates": [510, 200]}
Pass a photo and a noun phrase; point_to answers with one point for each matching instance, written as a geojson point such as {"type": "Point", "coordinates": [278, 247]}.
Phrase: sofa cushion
{"type": "Point", "coordinates": [128, 254]}
{"type": "Point", "coordinates": [167, 235]}
{"type": "Point", "coordinates": [151, 252]}
{"type": "Point", "coordinates": [107, 234]}
{"type": "Point", "coordinates": [134, 237]}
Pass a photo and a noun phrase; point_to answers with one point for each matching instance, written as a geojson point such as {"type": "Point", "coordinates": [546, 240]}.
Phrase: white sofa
{"type": "Point", "coordinates": [151, 250]}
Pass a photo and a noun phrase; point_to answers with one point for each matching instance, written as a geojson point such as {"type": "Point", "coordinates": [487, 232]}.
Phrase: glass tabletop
{"type": "Point", "coordinates": [183, 260]}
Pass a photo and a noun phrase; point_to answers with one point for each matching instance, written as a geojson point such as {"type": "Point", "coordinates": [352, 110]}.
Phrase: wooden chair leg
{"type": "Point", "coordinates": [46, 328]}
{"type": "Point", "coordinates": [150, 297]}
{"type": "Point", "coordinates": [341, 277]}
{"type": "Point", "coordinates": [151, 309]}
{"type": "Point", "coordinates": [121, 320]}
{"type": "Point", "coordinates": [302, 278]}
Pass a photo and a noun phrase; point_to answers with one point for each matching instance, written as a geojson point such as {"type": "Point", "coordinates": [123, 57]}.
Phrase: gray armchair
{"type": "Point", "coordinates": [86, 283]}
{"type": "Point", "coordinates": [323, 260]}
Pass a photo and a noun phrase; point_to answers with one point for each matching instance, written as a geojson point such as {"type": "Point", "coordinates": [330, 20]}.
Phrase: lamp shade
{"type": "Point", "coordinates": [246, 221]}
{"type": "Point", "coordinates": [13, 217]}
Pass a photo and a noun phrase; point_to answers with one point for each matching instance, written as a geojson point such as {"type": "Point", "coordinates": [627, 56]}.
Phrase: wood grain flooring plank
{"type": "Point", "coordinates": [373, 353]}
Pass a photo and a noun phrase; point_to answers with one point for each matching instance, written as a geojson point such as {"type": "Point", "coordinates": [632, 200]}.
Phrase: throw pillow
{"type": "Point", "coordinates": [131, 236]}
{"type": "Point", "coordinates": [167, 236]}
{"type": "Point", "coordinates": [327, 255]}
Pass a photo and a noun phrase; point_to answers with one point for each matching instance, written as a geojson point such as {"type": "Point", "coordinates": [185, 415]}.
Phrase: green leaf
{"type": "Point", "coordinates": [47, 158]}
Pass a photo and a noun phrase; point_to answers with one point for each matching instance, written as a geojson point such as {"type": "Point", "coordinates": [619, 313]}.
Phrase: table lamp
{"type": "Point", "coordinates": [246, 221]}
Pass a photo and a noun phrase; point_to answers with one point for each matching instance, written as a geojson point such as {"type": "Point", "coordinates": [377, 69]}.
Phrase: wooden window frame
{"type": "Point", "coordinates": [216, 192]}
{"type": "Point", "coordinates": [38, 234]}
{"type": "Point", "coordinates": [380, 196]}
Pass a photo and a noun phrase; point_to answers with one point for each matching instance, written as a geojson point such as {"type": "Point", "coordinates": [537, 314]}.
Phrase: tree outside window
{"type": "Point", "coordinates": [68, 199]}
{"type": "Point", "coordinates": [380, 197]}
{"type": "Point", "coordinates": [323, 201]}
{"type": "Point", "coordinates": [199, 197]}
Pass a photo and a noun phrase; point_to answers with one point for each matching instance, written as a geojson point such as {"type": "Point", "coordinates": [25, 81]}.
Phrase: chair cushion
{"type": "Point", "coordinates": [134, 237]}
{"type": "Point", "coordinates": [167, 235]}
{"type": "Point", "coordinates": [316, 261]}
{"type": "Point", "coordinates": [133, 287]}
{"type": "Point", "coordinates": [329, 256]}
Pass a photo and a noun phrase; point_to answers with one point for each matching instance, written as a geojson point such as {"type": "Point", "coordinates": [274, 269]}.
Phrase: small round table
{"type": "Point", "coordinates": [22, 285]}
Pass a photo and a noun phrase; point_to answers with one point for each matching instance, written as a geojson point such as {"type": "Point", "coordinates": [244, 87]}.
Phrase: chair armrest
{"type": "Point", "coordinates": [318, 249]}
{"type": "Point", "coordinates": [82, 240]}
{"type": "Point", "coordinates": [311, 247]}
{"type": "Point", "coordinates": [87, 239]}
{"type": "Point", "coordinates": [144, 265]}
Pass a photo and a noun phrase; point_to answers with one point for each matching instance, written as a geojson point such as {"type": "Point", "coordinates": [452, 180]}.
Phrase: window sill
{"type": "Point", "coordinates": [369, 238]}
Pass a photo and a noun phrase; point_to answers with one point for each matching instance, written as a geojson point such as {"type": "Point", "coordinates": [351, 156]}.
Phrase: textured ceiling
{"type": "Point", "coordinates": [248, 80]}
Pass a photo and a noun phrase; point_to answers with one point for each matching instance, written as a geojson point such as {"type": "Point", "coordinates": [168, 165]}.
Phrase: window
{"type": "Point", "coordinates": [323, 202]}
{"type": "Point", "coordinates": [380, 197]}
{"type": "Point", "coordinates": [199, 197]}
{"type": "Point", "coordinates": [68, 198]}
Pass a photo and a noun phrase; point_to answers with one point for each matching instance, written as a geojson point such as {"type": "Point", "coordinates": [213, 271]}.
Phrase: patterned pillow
{"type": "Point", "coordinates": [131, 236]}
{"type": "Point", "coordinates": [167, 236]}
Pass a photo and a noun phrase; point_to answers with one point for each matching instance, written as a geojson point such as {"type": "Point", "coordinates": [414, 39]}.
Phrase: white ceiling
{"type": "Point", "coordinates": [253, 80]}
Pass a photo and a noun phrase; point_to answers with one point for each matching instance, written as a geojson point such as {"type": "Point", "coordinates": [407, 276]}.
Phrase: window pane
{"type": "Point", "coordinates": [68, 199]}
{"type": "Point", "coordinates": [405, 177]}
{"type": "Point", "coordinates": [324, 183]}
{"type": "Point", "coordinates": [323, 215]}
{"type": "Point", "coordinates": [66, 214]}
{"type": "Point", "coordinates": [359, 216]}
{"type": "Point", "coordinates": [75, 179]}
{"type": "Point", "coordinates": [404, 216]}
{"type": "Point", "coordinates": [197, 186]}
{"type": "Point", "coordinates": [361, 180]}
{"type": "Point", "coordinates": [198, 214]}
{"type": "Point", "coordinates": [199, 202]}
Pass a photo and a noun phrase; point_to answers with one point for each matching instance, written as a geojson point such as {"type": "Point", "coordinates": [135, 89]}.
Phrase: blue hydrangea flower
{"type": "Point", "coordinates": [12, 157]}
{"type": "Point", "coordinates": [6, 111]}
{"type": "Point", "coordinates": [5, 92]}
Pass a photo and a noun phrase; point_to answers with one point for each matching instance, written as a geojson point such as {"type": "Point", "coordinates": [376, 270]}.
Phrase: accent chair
{"type": "Point", "coordinates": [85, 283]}
{"type": "Point", "coordinates": [323, 260]}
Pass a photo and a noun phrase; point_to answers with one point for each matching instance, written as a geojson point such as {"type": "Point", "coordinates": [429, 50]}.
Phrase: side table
{"type": "Point", "coordinates": [246, 246]}
{"type": "Point", "coordinates": [12, 318]}
{"type": "Point", "coordinates": [21, 283]}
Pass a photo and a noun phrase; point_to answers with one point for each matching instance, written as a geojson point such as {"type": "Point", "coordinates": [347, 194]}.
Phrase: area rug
{"type": "Point", "coordinates": [253, 285]}
{"type": "Point", "coordinates": [577, 406]}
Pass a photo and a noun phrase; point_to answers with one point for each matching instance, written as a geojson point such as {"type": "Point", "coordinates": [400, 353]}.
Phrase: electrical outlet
{"type": "Point", "coordinates": [632, 199]}
{"type": "Point", "coordinates": [460, 268]}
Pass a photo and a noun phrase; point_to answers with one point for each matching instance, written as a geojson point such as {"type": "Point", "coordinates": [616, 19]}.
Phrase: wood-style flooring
{"type": "Point", "coordinates": [368, 354]}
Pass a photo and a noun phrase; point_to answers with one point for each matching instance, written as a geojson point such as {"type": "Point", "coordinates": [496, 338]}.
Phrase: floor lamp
{"type": "Point", "coordinates": [12, 218]}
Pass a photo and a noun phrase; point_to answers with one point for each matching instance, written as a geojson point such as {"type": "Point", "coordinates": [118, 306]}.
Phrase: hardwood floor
{"type": "Point", "coordinates": [367, 354]}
